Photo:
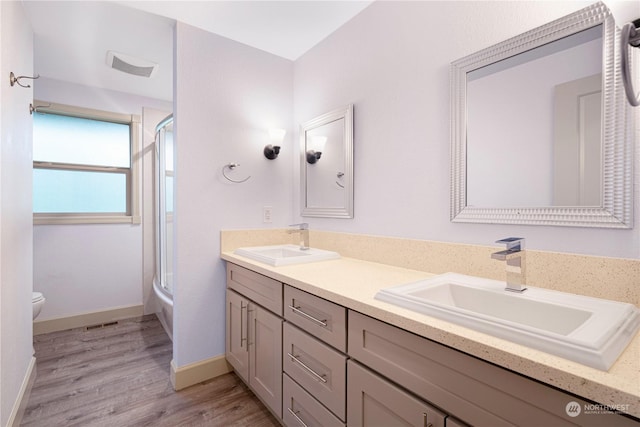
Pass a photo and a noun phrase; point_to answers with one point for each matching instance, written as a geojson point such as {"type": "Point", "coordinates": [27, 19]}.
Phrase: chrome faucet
{"type": "Point", "coordinates": [304, 234]}
{"type": "Point", "coordinates": [514, 255]}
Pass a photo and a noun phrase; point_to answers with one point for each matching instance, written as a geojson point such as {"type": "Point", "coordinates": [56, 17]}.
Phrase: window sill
{"type": "Point", "coordinates": [41, 219]}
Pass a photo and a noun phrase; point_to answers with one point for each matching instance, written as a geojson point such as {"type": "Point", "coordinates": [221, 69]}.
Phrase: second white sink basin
{"type": "Point", "coordinates": [587, 330]}
{"type": "Point", "coordinates": [277, 255]}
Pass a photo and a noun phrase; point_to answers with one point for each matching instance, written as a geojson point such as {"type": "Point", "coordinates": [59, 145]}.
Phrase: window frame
{"type": "Point", "coordinates": [132, 174]}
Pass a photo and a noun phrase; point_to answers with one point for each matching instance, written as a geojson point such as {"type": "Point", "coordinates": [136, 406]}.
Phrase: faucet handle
{"type": "Point", "coordinates": [513, 243]}
{"type": "Point", "coordinates": [302, 225]}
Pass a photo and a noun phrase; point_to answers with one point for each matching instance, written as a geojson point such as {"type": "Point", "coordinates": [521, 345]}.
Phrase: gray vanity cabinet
{"type": "Point", "coordinates": [254, 334]}
{"type": "Point", "coordinates": [468, 388]}
{"type": "Point", "coordinates": [315, 363]}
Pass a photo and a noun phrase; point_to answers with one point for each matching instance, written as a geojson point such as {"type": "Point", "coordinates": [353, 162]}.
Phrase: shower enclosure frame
{"type": "Point", "coordinates": [163, 215]}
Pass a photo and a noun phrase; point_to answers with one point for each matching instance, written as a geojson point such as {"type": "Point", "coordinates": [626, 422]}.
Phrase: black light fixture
{"type": "Point", "coordinates": [272, 150]}
{"type": "Point", "coordinates": [315, 146]}
{"type": "Point", "coordinates": [313, 156]}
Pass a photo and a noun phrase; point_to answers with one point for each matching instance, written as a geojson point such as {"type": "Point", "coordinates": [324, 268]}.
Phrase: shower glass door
{"type": "Point", "coordinates": [164, 203]}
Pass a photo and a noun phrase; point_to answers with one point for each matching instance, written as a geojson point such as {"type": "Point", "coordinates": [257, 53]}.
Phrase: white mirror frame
{"type": "Point", "coordinates": [345, 113]}
{"type": "Point", "coordinates": [616, 210]}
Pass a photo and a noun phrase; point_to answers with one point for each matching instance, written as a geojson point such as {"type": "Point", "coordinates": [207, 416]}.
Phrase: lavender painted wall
{"type": "Point", "coordinates": [16, 245]}
{"type": "Point", "coordinates": [392, 62]}
{"type": "Point", "coordinates": [227, 96]}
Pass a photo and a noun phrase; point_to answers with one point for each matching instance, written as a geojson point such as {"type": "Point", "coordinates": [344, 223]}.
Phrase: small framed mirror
{"type": "Point", "coordinates": [326, 165]}
{"type": "Point", "coordinates": [540, 131]}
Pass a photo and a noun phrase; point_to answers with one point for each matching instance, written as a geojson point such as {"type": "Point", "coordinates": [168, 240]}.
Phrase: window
{"type": "Point", "coordinates": [84, 167]}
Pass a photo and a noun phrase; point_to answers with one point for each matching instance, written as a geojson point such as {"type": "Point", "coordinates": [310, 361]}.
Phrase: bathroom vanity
{"type": "Point", "coordinates": [316, 347]}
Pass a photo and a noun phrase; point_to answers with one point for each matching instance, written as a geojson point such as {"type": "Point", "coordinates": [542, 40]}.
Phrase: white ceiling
{"type": "Point", "coordinates": [72, 37]}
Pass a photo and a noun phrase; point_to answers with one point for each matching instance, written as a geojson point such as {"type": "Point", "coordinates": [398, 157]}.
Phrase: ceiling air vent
{"type": "Point", "coordinates": [131, 65]}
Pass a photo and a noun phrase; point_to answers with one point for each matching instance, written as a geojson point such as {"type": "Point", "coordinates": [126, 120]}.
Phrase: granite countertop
{"type": "Point", "coordinates": [353, 283]}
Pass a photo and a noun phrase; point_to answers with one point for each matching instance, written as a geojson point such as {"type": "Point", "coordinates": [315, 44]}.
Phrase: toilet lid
{"type": "Point", "coordinates": [36, 296]}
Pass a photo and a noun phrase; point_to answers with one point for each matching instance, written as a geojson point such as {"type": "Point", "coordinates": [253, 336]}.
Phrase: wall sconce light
{"type": "Point", "coordinates": [272, 150]}
{"type": "Point", "coordinates": [313, 156]}
{"type": "Point", "coordinates": [315, 146]}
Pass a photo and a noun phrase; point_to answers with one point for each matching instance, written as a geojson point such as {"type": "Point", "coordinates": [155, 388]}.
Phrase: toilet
{"type": "Point", "coordinates": [37, 300]}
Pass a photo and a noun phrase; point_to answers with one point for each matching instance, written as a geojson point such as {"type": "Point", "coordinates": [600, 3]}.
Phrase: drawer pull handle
{"type": "Point", "coordinates": [426, 423]}
{"type": "Point", "coordinates": [295, 415]}
{"type": "Point", "coordinates": [308, 316]}
{"type": "Point", "coordinates": [311, 371]}
{"type": "Point", "coordinates": [242, 307]}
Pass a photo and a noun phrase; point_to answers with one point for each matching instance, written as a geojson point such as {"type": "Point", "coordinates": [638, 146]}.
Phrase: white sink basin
{"type": "Point", "coordinates": [587, 330]}
{"type": "Point", "coordinates": [285, 254]}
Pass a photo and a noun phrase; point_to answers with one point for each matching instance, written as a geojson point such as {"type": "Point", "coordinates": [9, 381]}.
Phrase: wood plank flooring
{"type": "Point", "coordinates": [118, 376]}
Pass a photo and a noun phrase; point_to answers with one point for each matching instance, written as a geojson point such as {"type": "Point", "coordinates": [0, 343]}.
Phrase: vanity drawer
{"type": "Point", "coordinates": [376, 402]}
{"type": "Point", "coordinates": [300, 409]}
{"type": "Point", "coordinates": [261, 289]}
{"type": "Point", "coordinates": [318, 368]}
{"type": "Point", "coordinates": [470, 389]}
{"type": "Point", "coordinates": [321, 318]}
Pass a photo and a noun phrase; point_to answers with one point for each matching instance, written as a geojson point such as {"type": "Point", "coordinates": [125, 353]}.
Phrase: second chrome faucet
{"type": "Point", "coordinates": [304, 234]}
{"type": "Point", "coordinates": [514, 255]}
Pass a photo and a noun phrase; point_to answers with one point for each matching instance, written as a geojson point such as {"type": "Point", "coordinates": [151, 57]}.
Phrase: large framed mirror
{"type": "Point", "coordinates": [326, 165]}
{"type": "Point", "coordinates": [540, 130]}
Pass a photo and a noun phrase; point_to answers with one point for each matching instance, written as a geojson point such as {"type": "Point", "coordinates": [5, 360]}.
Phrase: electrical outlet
{"type": "Point", "coordinates": [266, 214]}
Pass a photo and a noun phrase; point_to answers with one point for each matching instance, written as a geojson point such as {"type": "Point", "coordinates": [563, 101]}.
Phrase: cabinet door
{"type": "Point", "coordinates": [265, 357]}
{"type": "Point", "coordinates": [373, 401]}
{"type": "Point", "coordinates": [237, 351]}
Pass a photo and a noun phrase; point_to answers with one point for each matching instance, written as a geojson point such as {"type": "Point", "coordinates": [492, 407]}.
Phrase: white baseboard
{"type": "Point", "coordinates": [198, 372]}
{"type": "Point", "coordinates": [86, 319]}
{"type": "Point", "coordinates": [17, 412]}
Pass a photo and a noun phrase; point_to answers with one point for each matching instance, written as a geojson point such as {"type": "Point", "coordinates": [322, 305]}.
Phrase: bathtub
{"type": "Point", "coordinates": [164, 304]}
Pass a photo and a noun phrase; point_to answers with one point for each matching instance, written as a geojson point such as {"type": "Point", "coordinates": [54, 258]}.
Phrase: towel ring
{"type": "Point", "coordinates": [629, 36]}
{"type": "Point", "coordinates": [232, 166]}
